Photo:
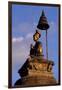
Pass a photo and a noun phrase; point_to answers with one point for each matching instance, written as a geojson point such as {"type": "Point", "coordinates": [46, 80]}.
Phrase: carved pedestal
{"type": "Point", "coordinates": [36, 72]}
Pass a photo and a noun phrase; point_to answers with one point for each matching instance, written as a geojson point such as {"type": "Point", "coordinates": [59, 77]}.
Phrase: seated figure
{"type": "Point", "coordinates": [38, 48]}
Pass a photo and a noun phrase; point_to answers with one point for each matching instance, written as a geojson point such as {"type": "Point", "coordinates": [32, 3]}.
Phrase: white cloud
{"type": "Point", "coordinates": [29, 35]}
{"type": "Point", "coordinates": [20, 48]}
{"type": "Point", "coordinates": [19, 39]}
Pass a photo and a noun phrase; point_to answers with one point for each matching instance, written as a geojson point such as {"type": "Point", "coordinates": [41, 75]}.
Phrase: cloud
{"type": "Point", "coordinates": [19, 39]}
{"type": "Point", "coordinates": [29, 35]}
{"type": "Point", "coordinates": [20, 51]}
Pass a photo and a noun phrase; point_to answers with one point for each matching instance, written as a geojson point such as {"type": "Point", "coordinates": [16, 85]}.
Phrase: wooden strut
{"type": "Point", "coordinates": [46, 46]}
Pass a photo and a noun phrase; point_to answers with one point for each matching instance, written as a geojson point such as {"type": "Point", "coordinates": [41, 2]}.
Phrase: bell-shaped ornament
{"type": "Point", "coordinates": [43, 24]}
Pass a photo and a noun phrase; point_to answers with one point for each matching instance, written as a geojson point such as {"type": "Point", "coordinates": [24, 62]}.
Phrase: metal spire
{"type": "Point", "coordinates": [43, 25]}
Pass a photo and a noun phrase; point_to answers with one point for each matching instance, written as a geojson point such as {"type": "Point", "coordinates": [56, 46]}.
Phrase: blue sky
{"type": "Point", "coordinates": [24, 22]}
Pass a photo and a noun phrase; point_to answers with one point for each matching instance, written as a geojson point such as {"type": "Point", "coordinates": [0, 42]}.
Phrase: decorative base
{"type": "Point", "coordinates": [34, 73]}
{"type": "Point", "coordinates": [36, 81]}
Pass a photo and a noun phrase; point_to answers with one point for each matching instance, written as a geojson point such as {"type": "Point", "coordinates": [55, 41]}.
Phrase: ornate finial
{"type": "Point", "coordinates": [43, 14]}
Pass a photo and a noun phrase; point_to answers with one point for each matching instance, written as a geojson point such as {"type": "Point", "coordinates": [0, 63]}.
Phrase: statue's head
{"type": "Point", "coordinates": [36, 36]}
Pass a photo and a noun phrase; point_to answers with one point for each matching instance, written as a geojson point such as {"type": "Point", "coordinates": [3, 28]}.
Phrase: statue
{"type": "Point", "coordinates": [37, 70]}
